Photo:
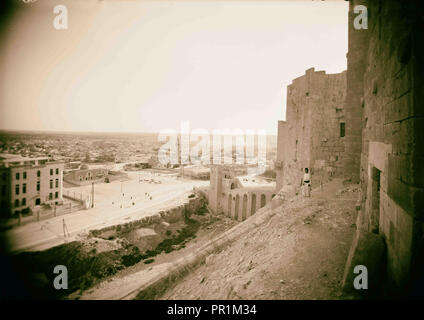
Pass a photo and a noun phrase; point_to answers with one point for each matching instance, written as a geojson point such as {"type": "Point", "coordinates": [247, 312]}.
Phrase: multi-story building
{"type": "Point", "coordinates": [27, 183]}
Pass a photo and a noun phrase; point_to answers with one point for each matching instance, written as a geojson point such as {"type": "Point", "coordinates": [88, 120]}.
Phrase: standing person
{"type": "Point", "coordinates": [306, 183]}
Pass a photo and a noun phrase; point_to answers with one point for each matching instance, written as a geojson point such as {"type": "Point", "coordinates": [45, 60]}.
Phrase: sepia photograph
{"type": "Point", "coordinates": [224, 151]}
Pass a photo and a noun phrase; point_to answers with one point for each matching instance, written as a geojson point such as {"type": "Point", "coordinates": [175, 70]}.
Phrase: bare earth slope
{"type": "Point", "coordinates": [300, 253]}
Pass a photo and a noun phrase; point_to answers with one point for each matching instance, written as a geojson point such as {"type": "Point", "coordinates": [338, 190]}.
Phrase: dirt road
{"type": "Point", "coordinates": [110, 208]}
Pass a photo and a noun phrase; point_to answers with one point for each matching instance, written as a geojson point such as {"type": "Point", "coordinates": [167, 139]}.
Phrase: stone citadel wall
{"type": "Point", "coordinates": [313, 134]}
{"type": "Point", "coordinates": [392, 157]}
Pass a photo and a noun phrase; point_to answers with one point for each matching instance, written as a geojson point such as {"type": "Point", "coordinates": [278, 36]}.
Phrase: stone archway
{"type": "Point", "coordinates": [236, 210]}
{"type": "Point", "coordinates": [253, 205]}
{"type": "Point", "coordinates": [263, 200]}
{"type": "Point", "coordinates": [229, 205]}
{"type": "Point", "coordinates": [244, 208]}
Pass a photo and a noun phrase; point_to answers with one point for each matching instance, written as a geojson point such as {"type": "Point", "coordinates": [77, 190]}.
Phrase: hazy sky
{"type": "Point", "coordinates": [140, 66]}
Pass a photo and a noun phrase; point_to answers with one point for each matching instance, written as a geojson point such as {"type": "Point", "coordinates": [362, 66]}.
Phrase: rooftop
{"type": "Point", "coordinates": [8, 159]}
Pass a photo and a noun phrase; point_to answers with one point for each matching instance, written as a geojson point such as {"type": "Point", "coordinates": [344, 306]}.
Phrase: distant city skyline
{"type": "Point", "coordinates": [144, 66]}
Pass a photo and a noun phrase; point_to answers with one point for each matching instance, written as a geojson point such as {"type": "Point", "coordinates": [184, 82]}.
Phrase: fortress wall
{"type": "Point", "coordinates": [392, 158]}
{"type": "Point", "coordinates": [311, 135]}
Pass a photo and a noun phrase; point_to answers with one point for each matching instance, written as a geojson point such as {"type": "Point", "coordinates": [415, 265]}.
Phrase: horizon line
{"type": "Point", "coordinates": [48, 131]}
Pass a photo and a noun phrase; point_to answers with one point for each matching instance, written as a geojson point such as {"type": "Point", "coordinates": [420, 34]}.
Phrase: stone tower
{"type": "Point", "coordinates": [314, 131]}
{"type": "Point", "coordinates": [215, 188]}
{"type": "Point", "coordinates": [222, 179]}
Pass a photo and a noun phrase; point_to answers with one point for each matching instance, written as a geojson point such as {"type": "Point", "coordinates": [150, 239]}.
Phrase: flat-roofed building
{"type": "Point", "coordinates": [26, 183]}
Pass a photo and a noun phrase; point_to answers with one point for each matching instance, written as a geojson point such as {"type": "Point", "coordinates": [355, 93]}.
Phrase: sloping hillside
{"type": "Point", "coordinates": [300, 253]}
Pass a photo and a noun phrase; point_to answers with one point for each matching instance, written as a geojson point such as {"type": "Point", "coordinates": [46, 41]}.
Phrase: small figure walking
{"type": "Point", "coordinates": [306, 184]}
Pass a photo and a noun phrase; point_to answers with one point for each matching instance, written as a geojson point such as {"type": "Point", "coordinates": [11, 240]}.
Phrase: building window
{"type": "Point", "coordinates": [24, 188]}
{"type": "Point", "coordinates": [57, 183]}
{"type": "Point", "coordinates": [24, 175]}
{"type": "Point", "coordinates": [57, 170]}
{"type": "Point", "coordinates": [3, 190]}
{"type": "Point", "coordinates": [37, 201]}
{"type": "Point", "coordinates": [51, 184]}
{"type": "Point", "coordinates": [56, 195]}
{"type": "Point", "coordinates": [342, 129]}
{"type": "Point", "coordinates": [4, 176]}
{"type": "Point", "coordinates": [24, 201]}
{"type": "Point", "coordinates": [50, 196]}
{"type": "Point", "coordinates": [38, 173]}
{"type": "Point", "coordinates": [38, 185]}
{"type": "Point", "coordinates": [16, 203]}
{"type": "Point", "coordinates": [51, 172]}
{"type": "Point", "coordinates": [17, 175]}
{"type": "Point", "coordinates": [17, 189]}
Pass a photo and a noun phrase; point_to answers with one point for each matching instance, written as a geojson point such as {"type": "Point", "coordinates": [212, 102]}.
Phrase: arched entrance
{"type": "Point", "coordinates": [244, 208]}
{"type": "Point", "coordinates": [229, 205]}
{"type": "Point", "coordinates": [253, 205]}
{"type": "Point", "coordinates": [236, 211]}
{"type": "Point", "coordinates": [263, 200]}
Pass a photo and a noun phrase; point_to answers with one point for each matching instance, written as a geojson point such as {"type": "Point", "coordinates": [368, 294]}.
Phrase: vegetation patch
{"type": "Point", "coordinates": [84, 268]}
{"type": "Point", "coordinates": [149, 261]}
{"type": "Point", "coordinates": [90, 261]}
{"type": "Point", "coordinates": [174, 242]}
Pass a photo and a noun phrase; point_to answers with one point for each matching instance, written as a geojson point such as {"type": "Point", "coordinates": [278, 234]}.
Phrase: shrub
{"type": "Point", "coordinates": [131, 259]}
{"type": "Point", "coordinates": [201, 211]}
{"type": "Point", "coordinates": [149, 261]}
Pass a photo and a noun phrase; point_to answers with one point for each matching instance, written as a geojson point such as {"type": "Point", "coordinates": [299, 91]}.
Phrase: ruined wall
{"type": "Point", "coordinates": [392, 174]}
{"type": "Point", "coordinates": [241, 203]}
{"type": "Point", "coordinates": [215, 189]}
{"type": "Point", "coordinates": [222, 179]}
{"type": "Point", "coordinates": [310, 137]}
{"type": "Point", "coordinates": [227, 194]}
